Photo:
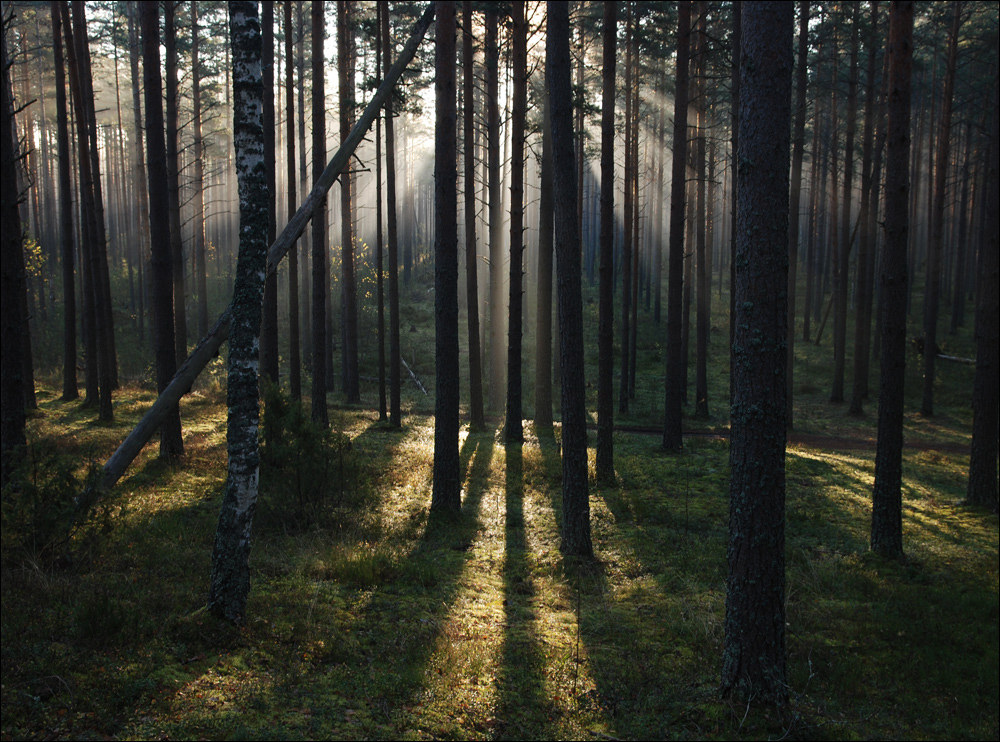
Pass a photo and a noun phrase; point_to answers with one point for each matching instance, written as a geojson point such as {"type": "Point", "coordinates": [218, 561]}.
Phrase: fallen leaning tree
{"type": "Point", "coordinates": [209, 345]}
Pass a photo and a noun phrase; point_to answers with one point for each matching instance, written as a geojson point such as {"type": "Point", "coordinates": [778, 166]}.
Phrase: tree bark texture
{"type": "Point", "coordinates": [230, 582]}
{"type": "Point", "coordinates": [446, 495]}
{"type": "Point", "coordinates": [12, 286]}
{"type": "Point", "coordinates": [753, 662]}
{"type": "Point", "coordinates": [576, 539]}
{"type": "Point", "coordinates": [887, 528]}
{"type": "Point", "coordinates": [983, 460]}
{"type": "Point", "coordinates": [513, 431]}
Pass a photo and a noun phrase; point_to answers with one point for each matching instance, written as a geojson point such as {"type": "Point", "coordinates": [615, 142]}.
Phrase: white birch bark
{"type": "Point", "coordinates": [230, 583]}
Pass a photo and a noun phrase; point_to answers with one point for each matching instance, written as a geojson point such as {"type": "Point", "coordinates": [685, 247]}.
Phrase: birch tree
{"type": "Point", "coordinates": [230, 582]}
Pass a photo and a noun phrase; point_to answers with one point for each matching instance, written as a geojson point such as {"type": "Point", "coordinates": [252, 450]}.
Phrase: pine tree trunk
{"type": "Point", "coordinates": [379, 236]}
{"type": "Point", "coordinates": [605, 332]}
{"type": "Point", "coordinates": [963, 216]}
{"type": "Point", "coordinates": [753, 661]}
{"type": "Point", "coordinates": [305, 271]}
{"type": "Point", "coordinates": [862, 323]}
{"type": "Point", "coordinates": [171, 444]}
{"type": "Point", "coordinates": [200, 278]}
{"type": "Point", "coordinates": [173, 185]}
{"type": "Point", "coordinates": [140, 182]}
{"type": "Point", "coordinates": [294, 326]}
{"type": "Point", "coordinates": [675, 280]}
{"type": "Point", "coordinates": [269, 319]}
{"type": "Point", "coordinates": [811, 264]}
{"type": "Point", "coordinates": [476, 412]}
{"type": "Point", "coordinates": [795, 193]}
{"type": "Point", "coordinates": [932, 291]}
{"type": "Point", "coordinates": [887, 527]}
{"type": "Point", "coordinates": [576, 539]}
{"type": "Point", "coordinates": [627, 206]}
{"type": "Point", "coordinates": [657, 231]}
{"type": "Point", "coordinates": [107, 355]}
{"type": "Point", "coordinates": [702, 273]}
{"type": "Point", "coordinates": [636, 237]}
{"type": "Point", "coordinates": [513, 431]}
{"type": "Point", "coordinates": [13, 323]}
{"type": "Point", "coordinates": [734, 112]}
{"type": "Point", "coordinates": [543, 331]}
{"type": "Point", "coordinates": [842, 260]}
{"type": "Point", "coordinates": [230, 581]}
{"type": "Point", "coordinates": [87, 225]}
{"type": "Point", "coordinates": [320, 270]}
{"type": "Point", "coordinates": [392, 235]}
{"type": "Point", "coordinates": [983, 460]}
{"type": "Point", "coordinates": [349, 289]}
{"type": "Point", "coordinates": [97, 367]}
{"type": "Point", "coordinates": [446, 495]}
{"type": "Point", "coordinates": [492, 62]}
{"type": "Point", "coordinates": [70, 391]}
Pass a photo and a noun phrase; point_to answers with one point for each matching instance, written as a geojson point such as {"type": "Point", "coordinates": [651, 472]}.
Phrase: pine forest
{"type": "Point", "coordinates": [500, 370]}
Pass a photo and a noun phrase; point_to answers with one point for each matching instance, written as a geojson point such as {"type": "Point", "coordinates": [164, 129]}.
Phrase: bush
{"type": "Point", "coordinates": [50, 514]}
{"type": "Point", "coordinates": [303, 464]}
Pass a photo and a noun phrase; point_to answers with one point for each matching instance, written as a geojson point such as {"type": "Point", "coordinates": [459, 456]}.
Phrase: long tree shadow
{"type": "Point", "coordinates": [367, 651]}
{"type": "Point", "coordinates": [522, 693]}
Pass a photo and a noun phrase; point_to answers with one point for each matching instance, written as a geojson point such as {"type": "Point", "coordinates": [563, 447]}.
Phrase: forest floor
{"type": "Point", "coordinates": [368, 619]}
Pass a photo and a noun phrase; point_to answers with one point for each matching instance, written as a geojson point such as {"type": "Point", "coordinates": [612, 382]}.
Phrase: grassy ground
{"type": "Point", "coordinates": [369, 620]}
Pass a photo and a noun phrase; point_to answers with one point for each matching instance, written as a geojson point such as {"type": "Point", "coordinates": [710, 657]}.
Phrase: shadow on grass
{"type": "Point", "coordinates": [522, 693]}
{"type": "Point", "coordinates": [343, 619]}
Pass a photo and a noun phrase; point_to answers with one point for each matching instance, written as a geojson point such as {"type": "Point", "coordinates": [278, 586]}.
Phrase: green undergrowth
{"type": "Point", "coordinates": [370, 619]}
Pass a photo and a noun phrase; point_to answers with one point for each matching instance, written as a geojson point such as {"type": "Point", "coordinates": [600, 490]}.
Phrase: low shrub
{"type": "Point", "coordinates": [50, 513]}
{"type": "Point", "coordinates": [306, 468]}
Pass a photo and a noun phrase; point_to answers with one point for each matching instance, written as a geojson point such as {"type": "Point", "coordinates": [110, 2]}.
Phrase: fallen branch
{"type": "Point", "coordinates": [209, 346]}
{"type": "Point", "coordinates": [956, 359]}
{"type": "Point", "coordinates": [416, 379]}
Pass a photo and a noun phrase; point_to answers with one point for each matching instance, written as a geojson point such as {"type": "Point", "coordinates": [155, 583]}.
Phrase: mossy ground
{"type": "Point", "coordinates": [369, 619]}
